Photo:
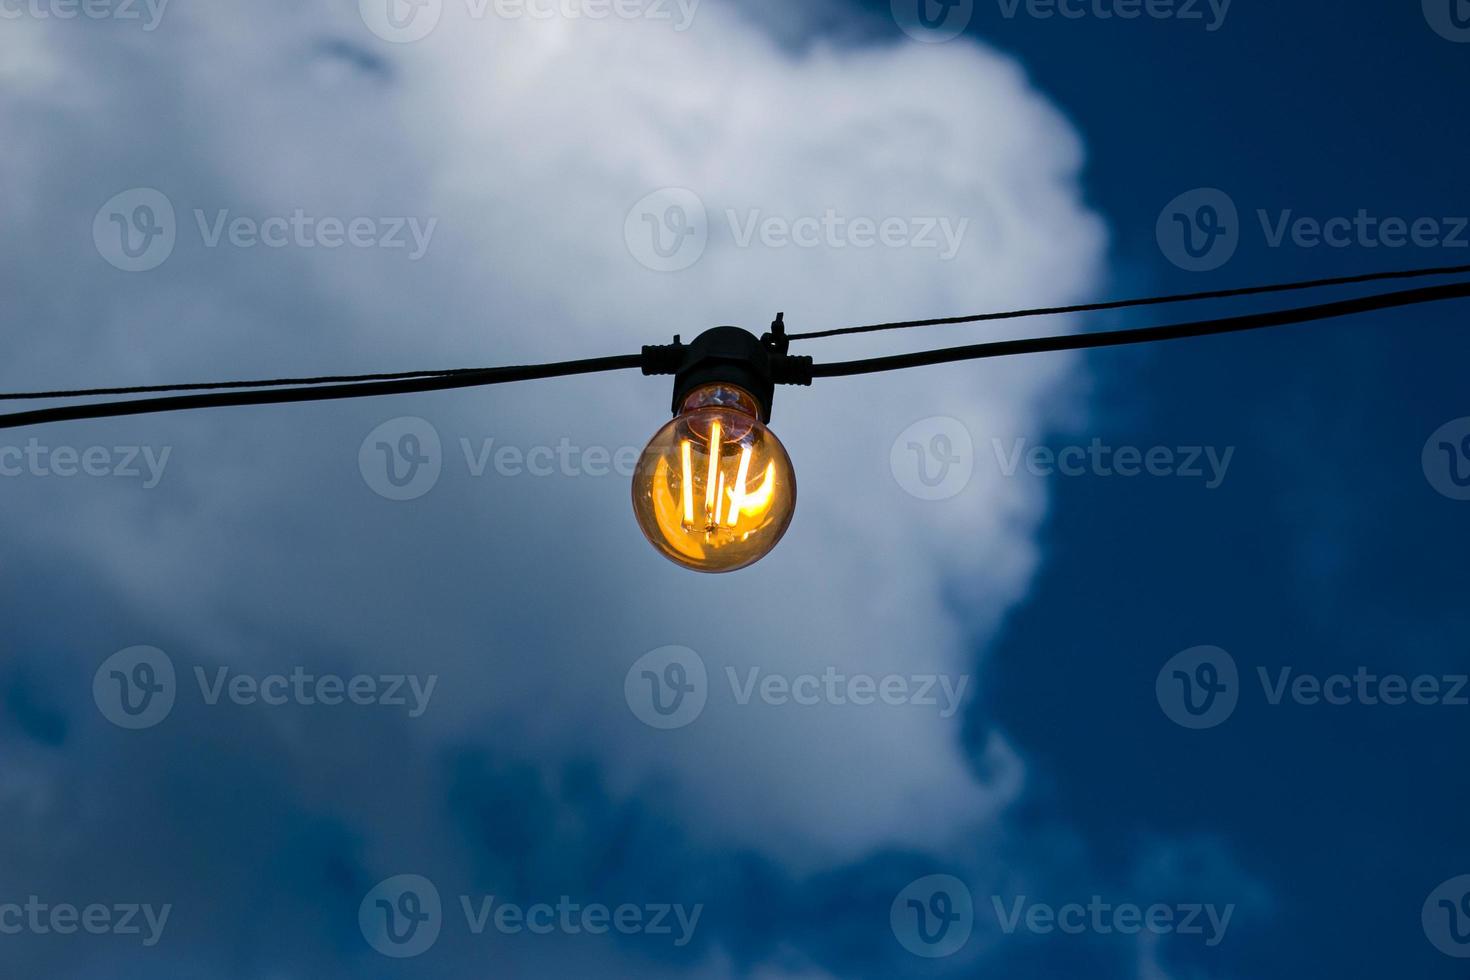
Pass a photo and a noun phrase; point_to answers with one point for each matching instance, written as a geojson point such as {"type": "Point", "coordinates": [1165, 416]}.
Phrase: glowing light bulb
{"type": "Point", "coordinates": [715, 490]}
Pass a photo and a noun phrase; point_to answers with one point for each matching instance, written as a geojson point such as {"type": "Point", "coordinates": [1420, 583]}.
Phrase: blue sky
{"type": "Point", "coordinates": [1031, 757]}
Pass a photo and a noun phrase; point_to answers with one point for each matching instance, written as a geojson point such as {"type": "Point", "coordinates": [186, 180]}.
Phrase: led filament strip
{"type": "Point", "coordinates": [692, 491]}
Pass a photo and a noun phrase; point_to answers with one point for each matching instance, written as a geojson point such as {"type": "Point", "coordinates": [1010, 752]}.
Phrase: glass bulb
{"type": "Point", "coordinates": [714, 490]}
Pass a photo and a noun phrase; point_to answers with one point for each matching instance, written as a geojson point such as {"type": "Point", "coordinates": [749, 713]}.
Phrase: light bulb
{"type": "Point", "coordinates": [715, 491]}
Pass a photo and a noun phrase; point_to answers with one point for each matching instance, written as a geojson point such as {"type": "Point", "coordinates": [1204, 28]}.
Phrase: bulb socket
{"type": "Point", "coordinates": [730, 356]}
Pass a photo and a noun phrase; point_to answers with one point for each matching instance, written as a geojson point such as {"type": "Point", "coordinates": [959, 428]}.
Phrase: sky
{"type": "Point", "coordinates": [1145, 663]}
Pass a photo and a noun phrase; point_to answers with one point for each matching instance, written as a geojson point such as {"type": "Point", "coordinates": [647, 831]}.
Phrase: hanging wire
{"type": "Point", "coordinates": [223, 385]}
{"type": "Point", "coordinates": [286, 391]}
{"type": "Point", "coordinates": [469, 378]}
{"type": "Point", "coordinates": [1124, 304]}
{"type": "Point", "coordinates": [1141, 335]}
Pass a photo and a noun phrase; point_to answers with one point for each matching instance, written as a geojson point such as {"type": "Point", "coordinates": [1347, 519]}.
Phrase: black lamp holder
{"type": "Point", "coordinates": [730, 355]}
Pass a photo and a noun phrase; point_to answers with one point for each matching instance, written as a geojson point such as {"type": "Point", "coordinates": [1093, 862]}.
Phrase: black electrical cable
{"type": "Point", "coordinates": [1138, 335]}
{"type": "Point", "coordinates": [465, 379]}
{"type": "Point", "coordinates": [222, 385]}
{"type": "Point", "coordinates": [475, 377]}
{"type": "Point", "coordinates": [977, 318]}
{"type": "Point", "coordinates": [1123, 304]}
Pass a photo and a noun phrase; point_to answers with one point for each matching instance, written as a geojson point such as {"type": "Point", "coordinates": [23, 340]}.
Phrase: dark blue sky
{"type": "Point", "coordinates": [1326, 549]}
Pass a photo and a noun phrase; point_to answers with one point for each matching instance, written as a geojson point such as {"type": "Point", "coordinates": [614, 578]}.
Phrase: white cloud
{"type": "Point", "coordinates": [530, 142]}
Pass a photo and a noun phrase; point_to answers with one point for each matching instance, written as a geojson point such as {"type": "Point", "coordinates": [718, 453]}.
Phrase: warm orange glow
{"type": "Point", "coordinates": [758, 502]}
{"type": "Point", "coordinates": [688, 481]}
{"type": "Point", "coordinates": [737, 495]}
{"type": "Point", "coordinates": [710, 452]}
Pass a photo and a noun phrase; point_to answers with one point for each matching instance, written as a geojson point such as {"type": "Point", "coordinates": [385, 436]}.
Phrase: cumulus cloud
{"type": "Point", "coordinates": [527, 143]}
